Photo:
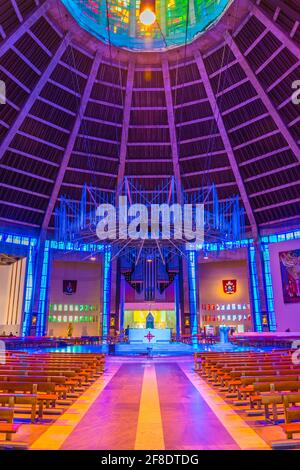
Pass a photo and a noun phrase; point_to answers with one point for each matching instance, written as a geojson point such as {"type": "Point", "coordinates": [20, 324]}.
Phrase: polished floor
{"type": "Point", "coordinates": [149, 404]}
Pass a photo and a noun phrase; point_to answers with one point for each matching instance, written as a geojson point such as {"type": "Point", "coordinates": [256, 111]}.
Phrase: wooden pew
{"type": "Point", "coordinates": [228, 376]}
{"type": "Point", "coordinates": [277, 398]}
{"type": "Point", "coordinates": [203, 359]}
{"type": "Point", "coordinates": [264, 387]}
{"type": "Point", "coordinates": [62, 386]}
{"type": "Point", "coordinates": [292, 413]}
{"type": "Point", "coordinates": [37, 380]}
{"type": "Point", "coordinates": [20, 399]}
{"type": "Point", "coordinates": [246, 381]}
{"type": "Point", "coordinates": [8, 427]}
{"type": "Point", "coordinates": [211, 370]}
{"type": "Point", "coordinates": [54, 363]}
{"type": "Point", "coordinates": [73, 373]}
{"type": "Point", "coordinates": [33, 378]}
{"type": "Point", "coordinates": [88, 373]}
{"type": "Point", "coordinates": [45, 392]}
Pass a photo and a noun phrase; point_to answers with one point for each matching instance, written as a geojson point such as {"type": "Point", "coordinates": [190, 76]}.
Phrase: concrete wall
{"type": "Point", "coordinates": [11, 296]}
{"type": "Point", "coordinates": [211, 275]}
{"type": "Point", "coordinates": [5, 274]}
{"type": "Point", "coordinates": [88, 276]}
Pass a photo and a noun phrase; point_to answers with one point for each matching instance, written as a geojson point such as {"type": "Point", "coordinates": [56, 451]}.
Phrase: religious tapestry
{"type": "Point", "coordinates": [290, 275]}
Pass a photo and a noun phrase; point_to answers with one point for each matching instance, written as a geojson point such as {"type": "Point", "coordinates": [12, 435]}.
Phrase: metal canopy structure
{"type": "Point", "coordinates": [221, 113]}
{"type": "Point", "coordinates": [222, 223]}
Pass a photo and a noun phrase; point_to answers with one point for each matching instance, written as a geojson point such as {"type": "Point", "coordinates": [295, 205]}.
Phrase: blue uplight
{"type": "Point", "coordinates": [192, 277]}
{"type": "Point", "coordinates": [106, 291]}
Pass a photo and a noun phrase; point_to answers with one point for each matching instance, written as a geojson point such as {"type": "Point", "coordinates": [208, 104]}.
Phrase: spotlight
{"type": "Point", "coordinates": [147, 17]}
{"type": "Point", "coordinates": [147, 12]}
{"type": "Point", "coordinates": [93, 258]}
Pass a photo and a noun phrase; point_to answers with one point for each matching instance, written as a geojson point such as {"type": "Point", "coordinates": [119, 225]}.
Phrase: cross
{"type": "Point", "coordinates": [149, 336]}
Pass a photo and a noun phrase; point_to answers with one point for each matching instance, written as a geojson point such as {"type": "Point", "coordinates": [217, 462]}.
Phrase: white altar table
{"type": "Point", "coordinates": [149, 335]}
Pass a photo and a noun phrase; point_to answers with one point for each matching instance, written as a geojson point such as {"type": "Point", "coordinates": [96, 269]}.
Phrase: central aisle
{"type": "Point", "coordinates": [159, 404]}
{"type": "Point", "coordinates": [150, 406]}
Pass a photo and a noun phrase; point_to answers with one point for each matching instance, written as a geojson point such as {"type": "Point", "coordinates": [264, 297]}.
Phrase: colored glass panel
{"type": "Point", "coordinates": [117, 21]}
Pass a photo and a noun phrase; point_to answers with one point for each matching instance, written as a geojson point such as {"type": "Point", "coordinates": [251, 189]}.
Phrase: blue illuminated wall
{"type": "Point", "coordinates": [42, 314]}
{"type": "Point", "coordinates": [23, 245]}
{"type": "Point", "coordinates": [268, 286]}
{"type": "Point", "coordinates": [254, 290]}
{"type": "Point", "coordinates": [106, 291]}
{"type": "Point", "coordinates": [177, 305]}
{"type": "Point", "coordinates": [28, 291]}
{"type": "Point", "coordinates": [193, 279]}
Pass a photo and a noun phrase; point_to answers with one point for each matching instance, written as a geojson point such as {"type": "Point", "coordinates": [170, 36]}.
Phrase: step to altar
{"type": "Point", "coordinates": [153, 349]}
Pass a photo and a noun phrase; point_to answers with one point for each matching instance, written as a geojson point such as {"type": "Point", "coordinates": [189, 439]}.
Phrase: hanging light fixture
{"type": "Point", "coordinates": [147, 12]}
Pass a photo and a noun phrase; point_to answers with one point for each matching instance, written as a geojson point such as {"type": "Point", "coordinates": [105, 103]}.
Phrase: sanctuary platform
{"type": "Point", "coordinates": [153, 349]}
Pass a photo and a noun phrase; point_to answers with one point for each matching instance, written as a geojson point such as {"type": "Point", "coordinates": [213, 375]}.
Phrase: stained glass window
{"type": "Point", "coordinates": [117, 21]}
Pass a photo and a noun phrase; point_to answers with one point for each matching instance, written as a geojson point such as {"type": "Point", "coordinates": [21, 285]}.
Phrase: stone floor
{"type": "Point", "coordinates": [151, 404]}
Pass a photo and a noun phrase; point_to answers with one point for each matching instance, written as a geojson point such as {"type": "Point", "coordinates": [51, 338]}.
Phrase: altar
{"type": "Point", "coordinates": [149, 335]}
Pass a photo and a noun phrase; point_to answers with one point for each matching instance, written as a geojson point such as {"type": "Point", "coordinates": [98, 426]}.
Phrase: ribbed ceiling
{"type": "Point", "coordinates": [222, 116]}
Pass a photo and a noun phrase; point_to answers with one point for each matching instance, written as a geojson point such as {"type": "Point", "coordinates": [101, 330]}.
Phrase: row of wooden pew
{"type": "Point", "coordinates": [266, 381]}
{"type": "Point", "coordinates": [31, 383]}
